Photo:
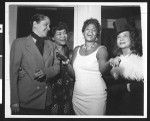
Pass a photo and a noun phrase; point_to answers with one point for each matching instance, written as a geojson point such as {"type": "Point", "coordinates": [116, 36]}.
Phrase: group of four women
{"type": "Point", "coordinates": [47, 78]}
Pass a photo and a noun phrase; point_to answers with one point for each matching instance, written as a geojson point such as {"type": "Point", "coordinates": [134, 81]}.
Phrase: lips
{"type": "Point", "coordinates": [121, 43]}
{"type": "Point", "coordinates": [63, 39]}
{"type": "Point", "coordinates": [90, 36]}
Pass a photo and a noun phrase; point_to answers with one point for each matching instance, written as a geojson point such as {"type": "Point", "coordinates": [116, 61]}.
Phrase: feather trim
{"type": "Point", "coordinates": [131, 67]}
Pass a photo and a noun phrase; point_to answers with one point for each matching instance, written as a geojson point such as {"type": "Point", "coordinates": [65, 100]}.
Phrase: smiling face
{"type": "Point", "coordinates": [60, 37]}
{"type": "Point", "coordinates": [124, 40]}
{"type": "Point", "coordinates": [90, 33]}
{"type": "Point", "coordinates": [41, 28]}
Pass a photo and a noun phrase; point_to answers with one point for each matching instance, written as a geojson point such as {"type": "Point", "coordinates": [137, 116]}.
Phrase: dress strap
{"type": "Point", "coordinates": [100, 48]}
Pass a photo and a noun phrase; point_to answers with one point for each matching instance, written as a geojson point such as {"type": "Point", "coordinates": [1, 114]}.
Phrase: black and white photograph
{"type": "Point", "coordinates": [75, 60]}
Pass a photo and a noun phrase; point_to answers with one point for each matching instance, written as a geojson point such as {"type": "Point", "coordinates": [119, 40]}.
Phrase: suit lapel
{"type": "Point", "coordinates": [31, 47]}
{"type": "Point", "coordinates": [47, 50]}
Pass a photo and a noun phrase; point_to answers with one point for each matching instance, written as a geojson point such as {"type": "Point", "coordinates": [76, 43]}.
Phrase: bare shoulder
{"type": "Point", "coordinates": [76, 49]}
{"type": "Point", "coordinates": [102, 49]}
{"type": "Point", "coordinates": [102, 52]}
{"type": "Point", "coordinates": [75, 53]}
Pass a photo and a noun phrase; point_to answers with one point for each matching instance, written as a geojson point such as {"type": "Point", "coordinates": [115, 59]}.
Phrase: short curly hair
{"type": "Point", "coordinates": [59, 26]}
{"type": "Point", "coordinates": [92, 21]}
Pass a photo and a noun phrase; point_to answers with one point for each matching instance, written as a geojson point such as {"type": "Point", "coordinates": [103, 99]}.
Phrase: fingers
{"type": "Point", "coordinates": [115, 62]}
{"type": "Point", "coordinates": [61, 56]}
{"type": "Point", "coordinates": [38, 74]}
{"type": "Point", "coordinates": [15, 108]}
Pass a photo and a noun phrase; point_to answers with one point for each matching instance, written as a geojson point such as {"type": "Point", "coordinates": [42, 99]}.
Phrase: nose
{"type": "Point", "coordinates": [90, 32]}
{"type": "Point", "coordinates": [64, 35]}
{"type": "Point", "coordinates": [121, 38]}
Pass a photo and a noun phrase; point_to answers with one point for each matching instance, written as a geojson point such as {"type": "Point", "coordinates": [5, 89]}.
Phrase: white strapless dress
{"type": "Point", "coordinates": [89, 96]}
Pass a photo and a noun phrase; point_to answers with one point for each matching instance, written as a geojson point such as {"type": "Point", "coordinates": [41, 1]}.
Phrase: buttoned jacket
{"type": "Point", "coordinates": [25, 58]}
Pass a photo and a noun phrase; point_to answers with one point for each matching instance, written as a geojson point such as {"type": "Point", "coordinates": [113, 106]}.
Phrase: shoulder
{"type": "Point", "coordinates": [50, 43]}
{"type": "Point", "coordinates": [76, 49]}
{"type": "Point", "coordinates": [102, 52]}
{"type": "Point", "coordinates": [20, 41]}
{"type": "Point", "coordinates": [132, 58]}
{"type": "Point", "coordinates": [102, 49]}
{"type": "Point", "coordinates": [75, 52]}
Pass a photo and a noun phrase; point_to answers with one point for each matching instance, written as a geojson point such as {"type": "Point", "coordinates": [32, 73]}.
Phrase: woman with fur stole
{"type": "Point", "coordinates": [126, 95]}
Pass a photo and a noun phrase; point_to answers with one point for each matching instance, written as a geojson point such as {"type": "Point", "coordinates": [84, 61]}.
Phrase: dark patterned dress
{"type": "Point", "coordinates": [62, 89]}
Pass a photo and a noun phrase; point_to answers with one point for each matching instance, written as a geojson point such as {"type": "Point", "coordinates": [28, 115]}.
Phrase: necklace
{"type": "Point", "coordinates": [92, 46]}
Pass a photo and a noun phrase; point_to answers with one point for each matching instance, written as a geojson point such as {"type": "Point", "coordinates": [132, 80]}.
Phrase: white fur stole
{"type": "Point", "coordinates": [131, 67]}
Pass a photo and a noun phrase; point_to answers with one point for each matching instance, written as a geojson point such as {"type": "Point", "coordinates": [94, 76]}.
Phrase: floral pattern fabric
{"type": "Point", "coordinates": [62, 93]}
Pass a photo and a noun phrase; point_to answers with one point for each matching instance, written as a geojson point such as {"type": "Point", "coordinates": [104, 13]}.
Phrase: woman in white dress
{"type": "Point", "coordinates": [89, 62]}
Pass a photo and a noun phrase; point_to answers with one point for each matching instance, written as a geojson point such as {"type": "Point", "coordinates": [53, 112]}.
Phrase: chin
{"type": "Point", "coordinates": [63, 44]}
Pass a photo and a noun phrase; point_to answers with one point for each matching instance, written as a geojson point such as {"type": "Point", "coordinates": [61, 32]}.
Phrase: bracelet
{"type": "Point", "coordinates": [128, 87]}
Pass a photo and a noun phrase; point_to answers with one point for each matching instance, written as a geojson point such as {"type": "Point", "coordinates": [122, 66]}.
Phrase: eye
{"type": "Point", "coordinates": [87, 29]}
{"type": "Point", "coordinates": [94, 30]}
{"type": "Point", "coordinates": [58, 33]}
{"type": "Point", "coordinates": [118, 37]}
{"type": "Point", "coordinates": [126, 35]}
{"type": "Point", "coordinates": [65, 32]}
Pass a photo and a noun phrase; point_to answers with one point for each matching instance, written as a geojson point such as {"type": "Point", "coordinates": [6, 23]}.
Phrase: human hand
{"type": "Point", "coordinates": [39, 75]}
{"type": "Point", "coordinates": [115, 62]}
{"type": "Point", "coordinates": [60, 56]}
{"type": "Point", "coordinates": [15, 108]}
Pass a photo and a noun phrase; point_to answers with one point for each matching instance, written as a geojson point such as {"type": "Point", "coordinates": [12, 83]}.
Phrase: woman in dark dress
{"type": "Point", "coordinates": [125, 97]}
{"type": "Point", "coordinates": [63, 84]}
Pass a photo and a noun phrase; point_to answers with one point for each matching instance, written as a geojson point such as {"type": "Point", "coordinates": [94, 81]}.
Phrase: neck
{"type": "Point", "coordinates": [35, 32]}
{"type": "Point", "coordinates": [59, 47]}
{"type": "Point", "coordinates": [126, 51]}
{"type": "Point", "coordinates": [89, 45]}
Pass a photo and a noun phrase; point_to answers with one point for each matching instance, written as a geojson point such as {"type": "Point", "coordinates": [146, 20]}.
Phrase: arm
{"type": "Point", "coordinates": [15, 62]}
{"type": "Point", "coordinates": [104, 63]}
{"type": "Point", "coordinates": [54, 69]}
{"type": "Point", "coordinates": [70, 65]}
